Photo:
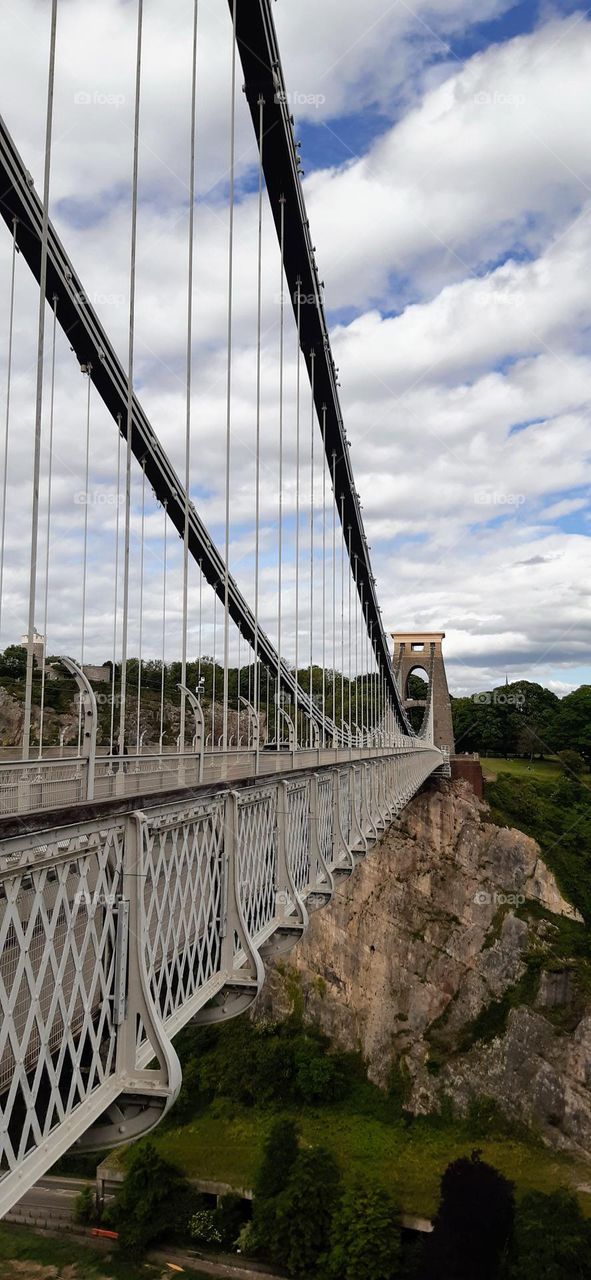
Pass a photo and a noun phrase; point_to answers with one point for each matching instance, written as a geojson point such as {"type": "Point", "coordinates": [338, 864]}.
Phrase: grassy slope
{"type": "Point", "coordinates": [543, 769]}
{"type": "Point", "coordinates": [225, 1141]}
{"type": "Point", "coordinates": [72, 1259]}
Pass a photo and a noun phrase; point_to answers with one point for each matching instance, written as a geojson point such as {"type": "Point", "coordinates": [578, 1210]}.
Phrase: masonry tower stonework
{"type": "Point", "coordinates": [421, 651]}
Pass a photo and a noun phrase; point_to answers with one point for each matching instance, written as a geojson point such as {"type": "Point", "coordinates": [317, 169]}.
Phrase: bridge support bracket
{"type": "Point", "coordinates": [292, 915]}
{"type": "Point", "coordinates": [147, 1093]}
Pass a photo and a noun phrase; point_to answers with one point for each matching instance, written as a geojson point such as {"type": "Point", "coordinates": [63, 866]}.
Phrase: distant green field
{"type": "Point", "coordinates": [225, 1143]}
{"type": "Point", "coordinates": [543, 769]}
{"type": "Point", "coordinates": [69, 1259]}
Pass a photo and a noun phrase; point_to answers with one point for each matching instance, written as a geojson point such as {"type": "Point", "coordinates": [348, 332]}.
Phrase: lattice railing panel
{"type": "Point", "coordinates": [345, 781]}
{"type": "Point", "coordinates": [298, 832]}
{"type": "Point", "coordinates": [57, 974]}
{"type": "Point", "coordinates": [182, 862]}
{"type": "Point", "coordinates": [324, 818]}
{"type": "Point", "coordinates": [30, 786]}
{"type": "Point", "coordinates": [356, 797]}
{"type": "Point", "coordinates": [257, 856]}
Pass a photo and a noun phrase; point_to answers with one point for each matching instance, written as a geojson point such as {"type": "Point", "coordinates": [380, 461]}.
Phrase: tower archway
{"type": "Point", "coordinates": [415, 655]}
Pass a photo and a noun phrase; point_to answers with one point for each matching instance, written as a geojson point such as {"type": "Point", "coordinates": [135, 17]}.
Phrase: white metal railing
{"type": "Point", "coordinates": [42, 784]}
{"type": "Point", "coordinates": [115, 932]}
{"type": "Point", "coordinates": [31, 785]}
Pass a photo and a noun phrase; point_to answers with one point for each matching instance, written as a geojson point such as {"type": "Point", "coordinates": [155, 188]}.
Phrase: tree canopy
{"type": "Point", "coordinates": [523, 718]}
{"type": "Point", "coordinates": [552, 1239]}
{"type": "Point", "coordinates": [364, 1237]}
{"type": "Point", "coordinates": [154, 1200]}
{"type": "Point", "coordinates": [473, 1224]}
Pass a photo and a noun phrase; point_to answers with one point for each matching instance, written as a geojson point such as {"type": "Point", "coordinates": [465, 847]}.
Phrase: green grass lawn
{"type": "Point", "coordinates": [225, 1143]}
{"type": "Point", "coordinates": [544, 769]}
{"type": "Point", "coordinates": [72, 1259]}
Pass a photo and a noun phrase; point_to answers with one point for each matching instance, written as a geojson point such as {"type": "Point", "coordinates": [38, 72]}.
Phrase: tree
{"type": "Point", "coordinates": [364, 1237]}
{"type": "Point", "coordinates": [13, 662]}
{"type": "Point", "coordinates": [571, 722]}
{"type": "Point", "coordinates": [571, 762]}
{"type": "Point", "coordinates": [552, 1239]}
{"type": "Point", "coordinates": [280, 1153]}
{"type": "Point", "coordinates": [515, 718]}
{"type": "Point", "coordinates": [472, 1225]}
{"type": "Point", "coordinates": [528, 742]}
{"type": "Point", "coordinates": [305, 1211]}
{"type": "Point", "coordinates": [154, 1200]}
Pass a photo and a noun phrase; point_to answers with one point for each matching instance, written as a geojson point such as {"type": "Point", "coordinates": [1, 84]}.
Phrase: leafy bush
{"type": "Point", "coordinates": [230, 1217]}
{"type": "Point", "coordinates": [484, 1118]}
{"type": "Point", "coordinates": [364, 1237]}
{"type": "Point", "coordinates": [571, 761]}
{"type": "Point", "coordinates": [246, 1242]}
{"type": "Point", "coordinates": [203, 1226]}
{"type": "Point", "coordinates": [258, 1064]}
{"type": "Point", "coordinates": [552, 1239]}
{"type": "Point", "coordinates": [85, 1210]}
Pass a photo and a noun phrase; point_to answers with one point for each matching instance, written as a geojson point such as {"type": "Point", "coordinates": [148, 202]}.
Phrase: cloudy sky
{"type": "Point", "coordinates": [448, 185]}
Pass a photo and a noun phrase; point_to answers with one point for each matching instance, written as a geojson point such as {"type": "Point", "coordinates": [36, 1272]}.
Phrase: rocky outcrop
{"type": "Point", "coordinates": [12, 717]}
{"type": "Point", "coordinates": [12, 714]}
{"type": "Point", "coordinates": [446, 955]}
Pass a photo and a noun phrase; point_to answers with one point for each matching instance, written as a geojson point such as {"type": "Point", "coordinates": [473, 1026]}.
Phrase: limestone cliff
{"type": "Point", "coordinates": [449, 955]}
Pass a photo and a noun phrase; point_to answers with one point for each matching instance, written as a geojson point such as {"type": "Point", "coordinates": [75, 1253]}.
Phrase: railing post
{"type": "Point", "coordinates": [231, 882]}
{"type": "Point", "coordinates": [89, 723]}
{"type": "Point", "coordinates": [357, 832]}
{"type": "Point", "coordinates": [255, 730]}
{"type": "Point", "coordinates": [199, 732]}
{"type": "Point", "coordinates": [313, 841]}
{"type": "Point", "coordinates": [366, 768]}
{"type": "Point", "coordinates": [23, 792]}
{"type": "Point", "coordinates": [281, 869]}
{"type": "Point", "coordinates": [322, 882]}
{"type": "Point", "coordinates": [236, 919]}
{"type": "Point", "coordinates": [336, 812]}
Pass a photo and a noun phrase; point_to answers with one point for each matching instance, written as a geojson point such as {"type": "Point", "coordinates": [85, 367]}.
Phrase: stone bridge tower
{"type": "Point", "coordinates": [421, 651]}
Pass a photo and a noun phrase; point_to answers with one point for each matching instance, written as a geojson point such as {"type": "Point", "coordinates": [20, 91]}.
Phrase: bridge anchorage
{"type": "Point", "coordinates": [146, 882]}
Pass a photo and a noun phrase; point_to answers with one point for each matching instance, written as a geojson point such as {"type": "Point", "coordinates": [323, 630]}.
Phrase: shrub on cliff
{"type": "Point", "coordinates": [259, 1064]}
